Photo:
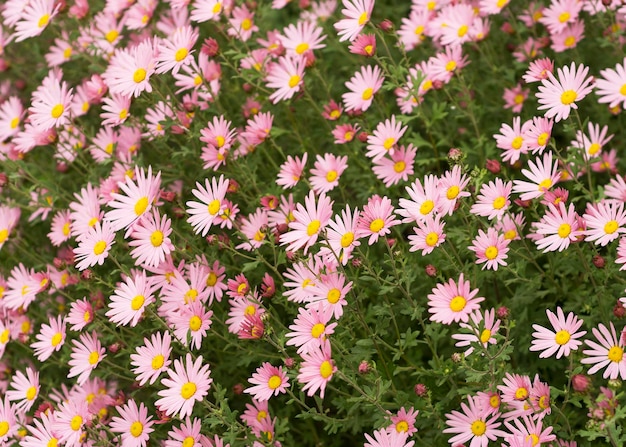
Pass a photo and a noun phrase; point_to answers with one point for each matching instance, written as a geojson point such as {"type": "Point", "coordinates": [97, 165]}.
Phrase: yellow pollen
{"type": "Point", "coordinates": [211, 279]}
{"type": "Point", "coordinates": [478, 427]}
{"type": "Point", "coordinates": [250, 310]}
{"type": "Point", "coordinates": [4, 234]}
{"type": "Point", "coordinates": [521, 393]}
{"type": "Point", "coordinates": [399, 166]}
{"type": "Point", "coordinates": [326, 369]}
{"type": "Point", "coordinates": [246, 24]}
{"type": "Point", "coordinates": [569, 41]}
{"type": "Point", "coordinates": [419, 30]}
{"type": "Point", "coordinates": [331, 176]}
{"type": "Point", "coordinates": [562, 337]}
{"type": "Point", "coordinates": [67, 53]}
{"type": "Point", "coordinates": [220, 140]}
{"type": "Point", "coordinates": [141, 205]}
{"type": "Point", "coordinates": [188, 390]}
{"type": "Point", "coordinates": [388, 143]}
{"type": "Point", "coordinates": [139, 75]}
{"type": "Point", "coordinates": [427, 207]}
{"type": "Point", "coordinates": [333, 296]}
{"type": "Point", "coordinates": [494, 401]}
{"type": "Point", "coordinates": [369, 49]}
{"type": "Point", "coordinates": [564, 17]}
{"type": "Point", "coordinates": [145, 18]}
{"type": "Point", "coordinates": [197, 80]}
{"type": "Point", "coordinates": [499, 203]}
{"type": "Point", "coordinates": [293, 81]}
{"type": "Point", "coordinates": [462, 30]}
{"type": "Point", "coordinates": [517, 143]}
{"type": "Point", "coordinates": [485, 335]}
{"type": "Point", "coordinates": [189, 441]}
{"type": "Point", "coordinates": [432, 239]}
{"type": "Point", "coordinates": [4, 337]}
{"type": "Point", "coordinates": [452, 192]}
{"type": "Point", "coordinates": [457, 304]}
{"type": "Point", "coordinates": [431, 5]}
{"type": "Point", "coordinates": [87, 316]}
{"type": "Point", "coordinates": [24, 290]}
{"type": "Point", "coordinates": [259, 236]}
{"type": "Point", "coordinates": [43, 21]}
{"type": "Point", "coordinates": [363, 19]}
{"type": "Point", "coordinates": [181, 54]}
{"type": "Point", "coordinates": [31, 393]}
{"type": "Point", "coordinates": [348, 136]}
{"type": "Point", "coordinates": [4, 428]}
{"type": "Point", "coordinates": [622, 90]}
{"type": "Point", "coordinates": [136, 429]}
{"type": "Point", "coordinates": [307, 282]}
{"type": "Point", "coordinates": [317, 330]}
{"type": "Point", "coordinates": [190, 296]}
{"type": "Point", "coordinates": [156, 238]}
{"type": "Point", "coordinates": [158, 361]}
{"type": "Point", "coordinates": [94, 357]}
{"type": "Point", "coordinates": [56, 339]}
{"type": "Point", "coordinates": [451, 66]}
{"type": "Point", "coordinates": [367, 94]}
{"type": "Point", "coordinates": [491, 253]}
{"type": "Point", "coordinates": [217, 8]}
{"type": "Point", "coordinates": [313, 227]}
{"type": "Point", "coordinates": [274, 382]}
{"type": "Point", "coordinates": [568, 97]}
{"type": "Point", "coordinates": [137, 302]}
{"type": "Point", "coordinates": [347, 239]}
{"type": "Point", "coordinates": [544, 402]}
{"type": "Point", "coordinates": [53, 442]}
{"type": "Point", "coordinates": [99, 248]}
{"type": "Point", "coordinates": [214, 207]}
{"type": "Point", "coordinates": [502, 3]}
{"type": "Point", "coordinates": [402, 427]}
{"type": "Point", "coordinates": [542, 139]}
{"type": "Point", "coordinates": [335, 114]}
{"type": "Point", "coordinates": [14, 122]}
{"type": "Point", "coordinates": [302, 47]}
{"type": "Point", "coordinates": [57, 111]}
{"type": "Point", "coordinates": [377, 225]}
{"type": "Point", "coordinates": [25, 327]}
{"type": "Point", "coordinates": [615, 354]}
{"type": "Point", "coordinates": [76, 423]}
{"type": "Point", "coordinates": [594, 149]}
{"type": "Point", "coordinates": [564, 230]}
{"type": "Point", "coordinates": [537, 15]}
{"type": "Point", "coordinates": [611, 227]}
{"type": "Point", "coordinates": [194, 323]}
{"type": "Point", "coordinates": [545, 184]}
{"type": "Point", "coordinates": [111, 35]}
{"type": "Point", "coordinates": [123, 114]}
{"type": "Point", "coordinates": [533, 438]}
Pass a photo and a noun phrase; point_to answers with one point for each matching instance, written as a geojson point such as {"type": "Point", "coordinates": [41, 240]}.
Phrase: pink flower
{"type": "Point", "coordinates": [559, 96]}
{"type": "Point", "coordinates": [51, 338]}
{"type": "Point", "coordinates": [384, 139]}
{"type": "Point", "coordinates": [404, 421]}
{"type": "Point", "coordinates": [357, 14]}
{"type": "Point", "coordinates": [310, 220]}
{"type": "Point", "coordinates": [473, 423]}
{"type": "Point", "coordinates": [188, 382]}
{"type": "Point", "coordinates": [491, 249]}
{"type": "Point", "coordinates": [94, 246]}
{"type": "Point", "coordinates": [544, 174]}
{"type": "Point", "coordinates": [362, 88]}
{"type": "Point", "coordinates": [511, 140]}
{"type": "Point", "coordinates": [86, 355]}
{"type": "Point", "coordinates": [130, 299]}
{"type": "Point", "coordinates": [387, 438]}
{"type": "Point", "coordinates": [364, 45]}
{"type": "Point", "coordinates": [25, 389]}
{"type": "Point", "coordinates": [514, 98]}
{"type": "Point", "coordinates": [610, 85]}
{"type": "Point", "coordinates": [428, 235]}
{"type": "Point", "coordinates": [130, 70]}
{"type": "Point", "coordinates": [268, 381]}
{"type": "Point", "coordinates": [331, 290]}
{"type": "Point", "coordinates": [341, 237]}
{"type": "Point", "coordinates": [560, 341]}
{"type": "Point", "coordinates": [133, 424]}
{"type": "Point", "coordinates": [559, 14]}
{"type": "Point", "coordinates": [175, 51]}
{"type": "Point", "coordinates": [481, 331]}
{"type": "Point", "coordinates": [538, 70]}
{"type": "Point", "coordinates": [51, 103]}
{"type": "Point", "coordinates": [153, 358]}
{"type": "Point", "coordinates": [537, 134]}
{"type": "Point", "coordinates": [453, 302]}
{"type": "Point", "coordinates": [35, 18]}
{"type": "Point", "coordinates": [311, 328]}
{"type": "Point", "coordinates": [604, 221]}
{"type": "Point", "coordinates": [291, 171]}
{"type": "Point", "coordinates": [317, 370]}
{"type": "Point", "coordinates": [397, 168]}
{"type": "Point", "coordinates": [286, 77]}
{"type": "Point", "coordinates": [493, 200]}
{"type": "Point", "coordinates": [376, 219]}
{"type": "Point", "coordinates": [302, 37]}
{"type": "Point", "coordinates": [150, 239]}
{"type": "Point", "coordinates": [608, 353]}
{"type": "Point", "coordinates": [425, 200]}
{"type": "Point", "coordinates": [326, 172]}
{"type": "Point", "coordinates": [204, 213]}
{"type": "Point", "coordinates": [559, 227]}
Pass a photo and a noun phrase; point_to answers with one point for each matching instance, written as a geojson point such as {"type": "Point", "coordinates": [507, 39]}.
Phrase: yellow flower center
{"type": "Point", "coordinates": [534, 439]}
{"type": "Point", "coordinates": [259, 236]}
{"type": "Point", "coordinates": [31, 393]}
{"type": "Point", "coordinates": [189, 441]}
{"type": "Point", "coordinates": [194, 323]}
{"type": "Point", "coordinates": [457, 304]}
{"type": "Point", "coordinates": [274, 382]}
{"type": "Point", "coordinates": [402, 426]}
{"type": "Point", "coordinates": [427, 207]}
{"type": "Point", "coordinates": [502, 3]}
{"type": "Point", "coordinates": [419, 30]}
{"type": "Point", "coordinates": [347, 239]}
{"type": "Point", "coordinates": [214, 207]}
{"type": "Point", "coordinates": [197, 80]}
{"type": "Point", "coordinates": [217, 8]}
{"type": "Point", "coordinates": [568, 97]}
{"type": "Point", "coordinates": [517, 143]}
{"type": "Point", "coordinates": [562, 337]}
{"type": "Point", "coordinates": [594, 149]}
{"type": "Point", "coordinates": [451, 66]}
{"type": "Point", "coordinates": [485, 335]}
{"type": "Point", "coordinates": [545, 184]}
{"type": "Point", "coordinates": [56, 339]}
{"type": "Point", "coordinates": [57, 111]}
{"type": "Point", "coordinates": [43, 21]}
{"type": "Point", "coordinates": [478, 427]}
{"type": "Point", "coordinates": [94, 357]}
{"type": "Point", "coordinates": [137, 302]}
{"type": "Point", "coordinates": [211, 279]}
{"type": "Point", "coordinates": [544, 402]}
{"type": "Point", "coordinates": [521, 393]}
{"type": "Point", "coordinates": [369, 49]}
{"type": "Point", "coordinates": [53, 442]}
{"type": "Point", "coordinates": [363, 19]}
{"type": "Point", "coordinates": [564, 17]}
{"type": "Point", "coordinates": [14, 122]}
{"type": "Point", "coordinates": [246, 24]}
{"type": "Point", "coordinates": [136, 429]}
{"type": "Point", "coordinates": [317, 330]}
{"type": "Point", "coordinates": [111, 35]}
{"type": "Point", "coordinates": [367, 94]}
{"type": "Point", "coordinates": [181, 54]}
{"type": "Point", "coordinates": [462, 30]}
{"type": "Point", "coordinates": [432, 239]}
{"type": "Point", "coordinates": [302, 47]}
{"type": "Point", "coordinates": [542, 139]}
{"type": "Point", "coordinates": [331, 176]}
{"type": "Point", "coordinates": [428, 84]}
{"type": "Point", "coordinates": [313, 227]}
{"type": "Point", "coordinates": [66, 229]}
{"type": "Point", "coordinates": [4, 234]}
{"type": "Point", "coordinates": [87, 316]}
{"type": "Point", "coordinates": [615, 354]}
{"type": "Point", "coordinates": [326, 369]}
{"type": "Point", "coordinates": [491, 253]}
{"type": "Point", "coordinates": [399, 166]}
{"type": "Point", "coordinates": [220, 140]}
{"type": "Point", "coordinates": [188, 390]}
{"type": "Point", "coordinates": [190, 296]}
{"type": "Point", "coordinates": [123, 114]}
{"type": "Point", "coordinates": [388, 143]}
{"type": "Point", "coordinates": [99, 248]}
{"type": "Point", "coordinates": [611, 227]}
{"type": "Point", "coordinates": [622, 90]}
{"type": "Point", "coordinates": [333, 296]}
{"type": "Point", "coordinates": [293, 81]}
{"type": "Point", "coordinates": [569, 41]}
{"type": "Point", "coordinates": [141, 205]}
{"type": "Point", "coordinates": [156, 238]}
{"type": "Point", "coordinates": [453, 192]}
{"type": "Point", "coordinates": [564, 230]}
{"type": "Point", "coordinates": [494, 401]}
{"type": "Point", "coordinates": [518, 99]}
{"type": "Point", "coordinates": [499, 203]}
{"type": "Point", "coordinates": [158, 361]}
{"type": "Point", "coordinates": [4, 336]}
{"type": "Point", "coordinates": [376, 225]}
{"type": "Point", "coordinates": [250, 310]}
{"type": "Point", "coordinates": [76, 422]}
{"type": "Point", "coordinates": [139, 75]}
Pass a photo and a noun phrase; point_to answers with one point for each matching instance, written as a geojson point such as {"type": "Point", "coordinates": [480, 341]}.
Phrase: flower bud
{"type": "Point", "coordinates": [618, 309]}
{"type": "Point", "coordinates": [420, 390]}
{"type": "Point", "coordinates": [493, 166]}
{"type": "Point", "coordinates": [581, 383]}
{"type": "Point", "coordinates": [503, 312]}
{"type": "Point", "coordinates": [430, 270]}
{"type": "Point", "coordinates": [210, 47]}
{"type": "Point", "coordinates": [598, 261]}
{"type": "Point", "coordinates": [364, 367]}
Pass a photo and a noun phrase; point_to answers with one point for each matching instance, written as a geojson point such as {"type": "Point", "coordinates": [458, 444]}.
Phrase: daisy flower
{"type": "Point", "coordinates": [80, 315]}
{"type": "Point", "coordinates": [317, 369]}
{"type": "Point", "coordinates": [610, 85]}
{"type": "Point", "coordinates": [130, 299]}
{"type": "Point", "coordinates": [205, 10]}
{"type": "Point", "coordinates": [326, 172]}
{"type": "Point", "coordinates": [376, 219]}
{"type": "Point", "coordinates": [514, 98]}
{"type": "Point", "coordinates": [363, 45]}
{"type": "Point", "coordinates": [425, 200]}
{"type": "Point", "coordinates": [453, 302]}
{"type": "Point", "coordinates": [428, 235]}
{"type": "Point", "coordinates": [35, 18]}
{"type": "Point", "coordinates": [397, 168]}
{"type": "Point", "coordinates": [60, 229]}
{"type": "Point", "coordinates": [544, 174]}
{"type": "Point", "coordinates": [357, 14]}
{"type": "Point", "coordinates": [188, 382]}
{"type": "Point", "coordinates": [115, 110]}
{"type": "Point", "coordinates": [559, 227]}
{"type": "Point", "coordinates": [340, 237]}
{"type": "Point", "coordinates": [384, 138]}
{"type": "Point", "coordinates": [9, 218]}
{"type": "Point", "coordinates": [481, 330]}
{"type": "Point", "coordinates": [254, 229]}
{"type": "Point", "coordinates": [453, 24]}
{"type": "Point", "coordinates": [129, 70]}
{"type": "Point", "coordinates": [24, 389]}
{"type": "Point", "coordinates": [562, 339]}
{"type": "Point", "coordinates": [559, 14]}
{"type": "Point", "coordinates": [151, 359]}
{"type": "Point", "coordinates": [538, 70]}
{"type": "Point", "coordinates": [11, 114]}
{"type": "Point", "coordinates": [604, 221]}
{"type": "Point", "coordinates": [559, 96]}
{"type": "Point", "coordinates": [204, 213]}
{"type": "Point", "coordinates": [515, 389]}
{"type": "Point", "coordinates": [310, 219]}
{"type": "Point", "coordinates": [569, 37]}
{"type": "Point", "coordinates": [593, 142]}
{"type": "Point", "coordinates": [70, 420]}
{"type": "Point", "coordinates": [50, 105]}
{"type": "Point", "coordinates": [191, 321]}
{"type": "Point", "coordinates": [189, 432]}
{"type": "Point", "coordinates": [40, 434]}
{"type": "Point", "coordinates": [150, 239]}
{"type": "Point", "coordinates": [537, 134]}
{"type": "Point", "coordinates": [331, 290]}
{"type": "Point", "coordinates": [137, 199]}
{"type": "Point", "coordinates": [175, 51]}
{"type": "Point", "coordinates": [608, 353]}
{"type": "Point", "coordinates": [493, 199]}
{"type": "Point", "coordinates": [412, 30]}
{"type": "Point", "coordinates": [404, 422]}
{"type": "Point", "coordinates": [491, 248]}
{"type": "Point", "coordinates": [242, 23]}
{"type": "Point", "coordinates": [133, 424]}
{"type": "Point", "coordinates": [387, 438]}
{"type": "Point", "coordinates": [526, 428]}
{"type": "Point", "coordinates": [268, 381]}
{"type": "Point", "coordinates": [452, 183]}
{"type": "Point", "coordinates": [362, 87]}
{"type": "Point", "coordinates": [8, 421]}
{"type": "Point", "coordinates": [473, 423]}
{"type": "Point", "coordinates": [300, 278]}
{"type": "Point", "coordinates": [94, 247]}
{"type": "Point", "coordinates": [311, 328]}
{"type": "Point", "coordinates": [286, 77]}
{"type": "Point", "coordinates": [302, 37]}
{"type": "Point", "coordinates": [85, 356]}
{"type": "Point", "coordinates": [50, 338]}
{"type": "Point", "coordinates": [511, 141]}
